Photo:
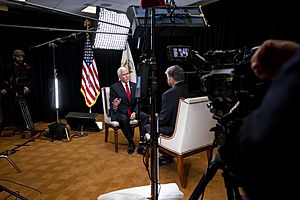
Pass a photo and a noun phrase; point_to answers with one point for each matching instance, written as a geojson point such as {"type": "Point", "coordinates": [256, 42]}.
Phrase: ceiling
{"type": "Point", "coordinates": [75, 6]}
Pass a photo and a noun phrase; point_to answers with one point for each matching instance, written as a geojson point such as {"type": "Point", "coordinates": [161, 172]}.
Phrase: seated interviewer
{"type": "Point", "coordinates": [169, 106]}
{"type": "Point", "coordinates": [266, 147]}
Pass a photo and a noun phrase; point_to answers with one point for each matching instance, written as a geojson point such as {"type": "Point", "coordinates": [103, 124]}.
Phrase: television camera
{"type": "Point", "coordinates": [228, 80]}
{"type": "Point", "coordinates": [233, 89]}
{"type": "Point", "coordinates": [16, 84]}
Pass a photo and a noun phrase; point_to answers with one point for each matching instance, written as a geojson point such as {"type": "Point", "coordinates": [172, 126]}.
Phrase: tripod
{"type": "Point", "coordinates": [231, 185]}
{"type": "Point", "coordinates": [226, 125]}
{"type": "Point", "coordinates": [26, 115]}
{"type": "Point", "coordinates": [20, 102]}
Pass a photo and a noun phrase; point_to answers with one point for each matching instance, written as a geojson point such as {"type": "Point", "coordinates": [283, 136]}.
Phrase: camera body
{"type": "Point", "coordinates": [234, 91]}
{"type": "Point", "coordinates": [230, 79]}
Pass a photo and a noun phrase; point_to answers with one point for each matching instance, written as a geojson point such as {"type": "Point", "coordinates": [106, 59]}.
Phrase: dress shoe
{"type": "Point", "coordinates": [130, 148]}
{"type": "Point", "coordinates": [141, 149]}
{"type": "Point", "coordinates": [165, 160]}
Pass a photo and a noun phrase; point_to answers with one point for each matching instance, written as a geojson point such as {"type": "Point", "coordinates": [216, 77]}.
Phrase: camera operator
{"type": "Point", "coordinates": [265, 148]}
{"type": "Point", "coordinates": [15, 85]}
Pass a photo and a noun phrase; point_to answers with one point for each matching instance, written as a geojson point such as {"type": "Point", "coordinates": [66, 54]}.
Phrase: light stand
{"type": "Point", "coordinates": [154, 135]}
{"type": "Point", "coordinates": [51, 44]}
{"type": "Point", "coordinates": [6, 156]}
{"type": "Point", "coordinates": [2, 188]}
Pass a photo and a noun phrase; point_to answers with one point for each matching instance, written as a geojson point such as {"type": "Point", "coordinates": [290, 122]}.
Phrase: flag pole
{"type": "Point", "coordinates": [87, 24]}
{"type": "Point", "coordinates": [90, 87]}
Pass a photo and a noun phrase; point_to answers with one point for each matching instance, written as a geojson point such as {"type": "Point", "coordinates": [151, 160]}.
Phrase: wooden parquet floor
{"type": "Point", "coordinates": [87, 167]}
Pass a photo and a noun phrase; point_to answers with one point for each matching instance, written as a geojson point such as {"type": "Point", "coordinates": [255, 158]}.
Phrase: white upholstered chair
{"type": "Point", "coordinates": [107, 118]}
{"type": "Point", "coordinates": [192, 133]}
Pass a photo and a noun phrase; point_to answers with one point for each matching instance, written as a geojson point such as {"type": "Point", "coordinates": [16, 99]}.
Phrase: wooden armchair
{"type": "Point", "coordinates": [108, 123]}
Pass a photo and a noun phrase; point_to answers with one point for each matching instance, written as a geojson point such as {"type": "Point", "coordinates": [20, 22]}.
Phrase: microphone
{"type": "Point", "coordinates": [152, 3]}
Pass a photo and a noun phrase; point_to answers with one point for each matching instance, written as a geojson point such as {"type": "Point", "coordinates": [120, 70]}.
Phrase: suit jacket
{"type": "Point", "coordinates": [118, 91]}
{"type": "Point", "coordinates": [169, 106]}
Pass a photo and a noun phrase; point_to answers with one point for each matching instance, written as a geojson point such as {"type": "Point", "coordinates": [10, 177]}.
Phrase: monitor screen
{"type": "Point", "coordinates": [179, 53]}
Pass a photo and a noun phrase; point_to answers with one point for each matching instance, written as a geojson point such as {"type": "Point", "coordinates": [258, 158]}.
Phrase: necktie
{"type": "Point", "coordinates": [128, 96]}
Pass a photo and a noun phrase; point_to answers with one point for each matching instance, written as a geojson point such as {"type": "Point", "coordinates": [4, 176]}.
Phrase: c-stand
{"type": "Point", "coordinates": [153, 130]}
{"type": "Point", "coordinates": [6, 156]}
{"type": "Point", "coordinates": [2, 188]}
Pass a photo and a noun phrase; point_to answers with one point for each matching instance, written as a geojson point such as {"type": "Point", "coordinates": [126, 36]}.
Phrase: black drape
{"type": "Point", "coordinates": [67, 57]}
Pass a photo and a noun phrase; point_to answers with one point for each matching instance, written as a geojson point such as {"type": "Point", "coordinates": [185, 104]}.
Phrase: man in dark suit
{"type": "Point", "coordinates": [124, 104]}
{"type": "Point", "coordinates": [169, 106]}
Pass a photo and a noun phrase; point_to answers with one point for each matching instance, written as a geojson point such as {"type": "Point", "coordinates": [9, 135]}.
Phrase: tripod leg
{"type": "Point", "coordinates": [11, 162]}
{"type": "Point", "coordinates": [209, 174]}
{"type": "Point", "coordinates": [231, 186]}
{"type": "Point", "coordinates": [26, 114]}
{"type": "Point", "coordinates": [2, 188]}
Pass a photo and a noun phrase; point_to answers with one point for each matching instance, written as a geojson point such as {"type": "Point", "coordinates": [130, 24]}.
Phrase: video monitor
{"type": "Point", "coordinates": [178, 52]}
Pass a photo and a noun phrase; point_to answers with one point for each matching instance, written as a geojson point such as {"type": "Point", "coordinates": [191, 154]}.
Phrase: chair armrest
{"type": "Point", "coordinates": [134, 122]}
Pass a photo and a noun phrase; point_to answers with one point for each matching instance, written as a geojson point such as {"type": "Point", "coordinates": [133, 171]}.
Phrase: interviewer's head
{"type": "Point", "coordinates": [174, 74]}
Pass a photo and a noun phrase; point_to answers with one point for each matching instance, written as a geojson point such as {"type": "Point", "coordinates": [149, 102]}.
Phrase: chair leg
{"type": "Point", "coordinates": [180, 169]}
{"type": "Point", "coordinates": [147, 157]}
{"type": "Point", "coordinates": [116, 140]}
{"type": "Point", "coordinates": [106, 133]}
{"type": "Point", "coordinates": [132, 128]}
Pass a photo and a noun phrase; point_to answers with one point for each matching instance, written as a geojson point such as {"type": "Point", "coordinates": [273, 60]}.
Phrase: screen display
{"type": "Point", "coordinates": [179, 53]}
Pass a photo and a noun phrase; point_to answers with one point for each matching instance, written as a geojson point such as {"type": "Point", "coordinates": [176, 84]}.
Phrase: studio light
{"type": "Point", "coordinates": [112, 30]}
{"type": "Point", "coordinates": [56, 93]}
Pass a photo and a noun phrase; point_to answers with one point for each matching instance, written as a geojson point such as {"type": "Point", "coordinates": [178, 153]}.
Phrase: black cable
{"type": "Point", "coordinates": [41, 193]}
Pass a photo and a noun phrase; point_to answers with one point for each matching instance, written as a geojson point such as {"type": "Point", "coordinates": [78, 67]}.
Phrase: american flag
{"type": "Point", "coordinates": [90, 87]}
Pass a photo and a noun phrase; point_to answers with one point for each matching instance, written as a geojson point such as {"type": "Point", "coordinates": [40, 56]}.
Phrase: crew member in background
{"type": "Point", "coordinates": [15, 85]}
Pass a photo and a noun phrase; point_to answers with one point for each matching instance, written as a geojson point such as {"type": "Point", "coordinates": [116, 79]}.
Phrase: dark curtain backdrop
{"type": "Point", "coordinates": [233, 24]}
{"type": "Point", "coordinates": [68, 62]}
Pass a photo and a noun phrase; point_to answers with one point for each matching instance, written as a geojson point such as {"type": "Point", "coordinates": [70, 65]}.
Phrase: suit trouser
{"type": "Point", "coordinates": [125, 126]}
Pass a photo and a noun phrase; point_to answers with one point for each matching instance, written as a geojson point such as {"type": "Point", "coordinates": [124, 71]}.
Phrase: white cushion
{"type": "Point", "coordinates": [134, 122]}
{"type": "Point", "coordinates": [114, 123]}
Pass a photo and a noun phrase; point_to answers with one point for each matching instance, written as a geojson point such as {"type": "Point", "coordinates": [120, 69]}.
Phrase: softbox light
{"type": "Point", "coordinates": [112, 30]}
